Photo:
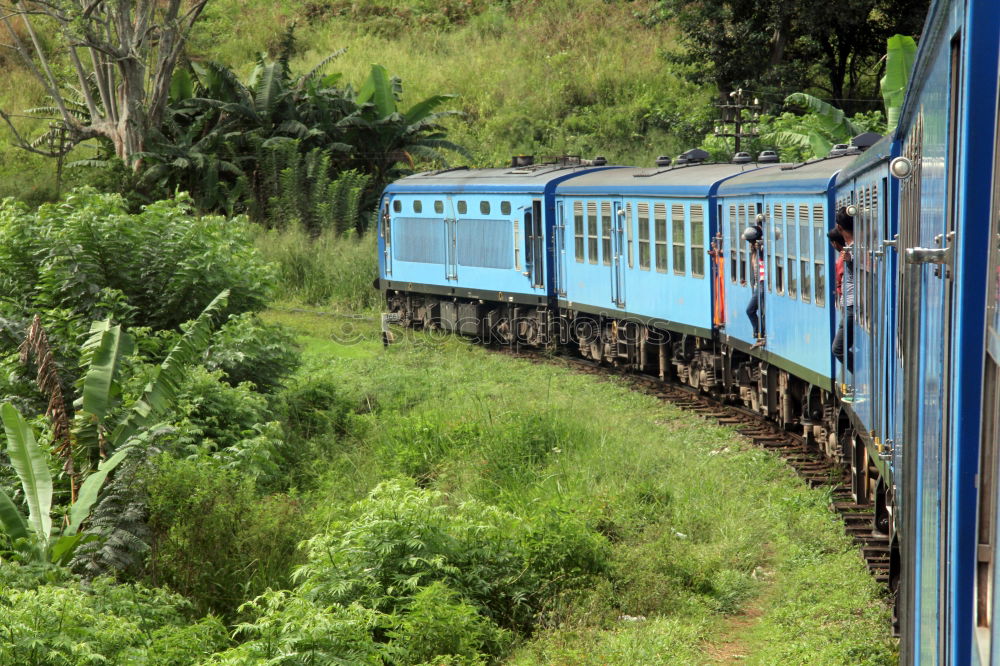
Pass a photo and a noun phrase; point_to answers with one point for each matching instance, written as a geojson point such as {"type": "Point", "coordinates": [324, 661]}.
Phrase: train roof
{"type": "Point", "coordinates": [532, 178]}
{"type": "Point", "coordinates": [879, 152]}
{"type": "Point", "coordinates": [685, 180]}
{"type": "Point", "coordinates": [813, 177]}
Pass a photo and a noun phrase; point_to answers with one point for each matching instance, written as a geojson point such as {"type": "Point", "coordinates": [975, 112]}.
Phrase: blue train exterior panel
{"type": "Point", "coordinates": [635, 244]}
{"type": "Point", "coordinates": [796, 205]}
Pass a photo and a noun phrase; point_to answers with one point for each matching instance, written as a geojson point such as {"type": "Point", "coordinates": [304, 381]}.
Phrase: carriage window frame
{"type": "Point", "coordinates": [677, 219]}
{"type": "Point", "coordinates": [777, 233]}
{"type": "Point", "coordinates": [505, 208]}
{"type": "Point", "coordinates": [629, 233]}
{"type": "Point", "coordinates": [805, 263]}
{"type": "Point", "coordinates": [591, 232]}
{"type": "Point", "coordinates": [397, 206]}
{"type": "Point", "coordinates": [791, 246]}
{"type": "Point", "coordinates": [579, 237]}
{"type": "Point", "coordinates": [819, 255]}
{"type": "Point", "coordinates": [484, 207]}
{"type": "Point", "coordinates": [418, 206]}
{"type": "Point", "coordinates": [645, 253]}
{"type": "Point", "coordinates": [697, 213]}
{"type": "Point", "coordinates": [741, 223]}
{"type": "Point", "coordinates": [438, 206]}
{"type": "Point", "coordinates": [733, 243]}
{"type": "Point", "coordinates": [660, 256]}
{"type": "Point", "coordinates": [463, 207]}
{"type": "Point", "coordinates": [606, 233]}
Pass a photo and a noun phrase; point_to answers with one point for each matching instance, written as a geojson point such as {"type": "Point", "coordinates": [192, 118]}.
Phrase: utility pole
{"type": "Point", "coordinates": [732, 114]}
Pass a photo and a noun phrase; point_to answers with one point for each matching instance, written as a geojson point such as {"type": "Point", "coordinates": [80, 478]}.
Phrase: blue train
{"type": "Point", "coordinates": [655, 269]}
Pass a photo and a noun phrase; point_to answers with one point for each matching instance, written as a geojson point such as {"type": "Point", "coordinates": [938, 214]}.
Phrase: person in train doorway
{"type": "Point", "coordinates": [837, 242]}
{"type": "Point", "coordinates": [843, 341]}
{"type": "Point", "coordinates": [755, 308]}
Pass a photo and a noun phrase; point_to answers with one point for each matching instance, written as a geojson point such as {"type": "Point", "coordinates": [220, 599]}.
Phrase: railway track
{"type": "Point", "coordinates": [815, 469]}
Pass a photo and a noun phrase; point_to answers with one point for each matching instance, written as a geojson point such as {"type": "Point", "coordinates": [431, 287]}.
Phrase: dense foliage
{"type": "Point", "coordinates": [778, 47]}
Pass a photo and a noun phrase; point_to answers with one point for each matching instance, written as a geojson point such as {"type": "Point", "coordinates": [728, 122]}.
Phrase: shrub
{"type": "Point", "coordinates": [158, 268]}
{"type": "Point", "coordinates": [403, 538]}
{"type": "Point", "coordinates": [73, 623]}
{"type": "Point", "coordinates": [214, 539]}
{"type": "Point", "coordinates": [247, 349]}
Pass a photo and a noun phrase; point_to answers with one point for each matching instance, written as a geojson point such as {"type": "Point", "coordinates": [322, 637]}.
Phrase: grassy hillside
{"type": "Point", "coordinates": [543, 77]}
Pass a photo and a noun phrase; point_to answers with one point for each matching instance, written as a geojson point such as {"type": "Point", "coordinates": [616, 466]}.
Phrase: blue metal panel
{"type": "Point", "coordinates": [485, 243]}
{"type": "Point", "coordinates": [420, 240]}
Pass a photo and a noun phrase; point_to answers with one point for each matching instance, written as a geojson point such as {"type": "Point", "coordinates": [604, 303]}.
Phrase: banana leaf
{"type": "Point", "coordinates": [88, 492]}
{"type": "Point", "coordinates": [901, 52]}
{"type": "Point", "coordinates": [31, 465]}
{"type": "Point", "coordinates": [11, 519]}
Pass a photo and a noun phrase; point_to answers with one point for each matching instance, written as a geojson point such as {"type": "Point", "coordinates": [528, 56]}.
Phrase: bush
{"type": "Point", "coordinates": [159, 268]}
{"type": "Point", "coordinates": [214, 539]}
{"type": "Point", "coordinates": [403, 538]}
{"type": "Point", "coordinates": [73, 623]}
{"type": "Point", "coordinates": [247, 349]}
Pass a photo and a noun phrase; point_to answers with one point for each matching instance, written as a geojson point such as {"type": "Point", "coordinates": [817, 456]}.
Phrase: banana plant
{"type": "Point", "coordinates": [35, 537]}
{"type": "Point", "coordinates": [832, 126]}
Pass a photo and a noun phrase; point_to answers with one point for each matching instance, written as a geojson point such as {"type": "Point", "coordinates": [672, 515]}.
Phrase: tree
{"type": "Point", "coordinates": [781, 46]}
{"type": "Point", "coordinates": [122, 54]}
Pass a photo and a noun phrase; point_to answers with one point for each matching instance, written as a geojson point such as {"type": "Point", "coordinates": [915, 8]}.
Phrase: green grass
{"type": "Point", "coordinates": [700, 525]}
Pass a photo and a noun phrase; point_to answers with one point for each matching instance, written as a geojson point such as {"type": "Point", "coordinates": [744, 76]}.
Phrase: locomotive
{"type": "Point", "coordinates": [647, 268]}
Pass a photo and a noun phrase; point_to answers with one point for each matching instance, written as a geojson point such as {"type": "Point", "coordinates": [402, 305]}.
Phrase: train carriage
{"type": "Point", "coordinates": [636, 251]}
{"type": "Point", "coordinates": [465, 249]}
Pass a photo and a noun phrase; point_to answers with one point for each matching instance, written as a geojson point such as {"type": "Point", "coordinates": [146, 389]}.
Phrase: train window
{"type": "Point", "coordinates": [578, 230]}
{"type": "Point", "coordinates": [777, 227]}
{"type": "Point", "coordinates": [484, 207]}
{"type": "Point", "coordinates": [629, 234]}
{"type": "Point", "coordinates": [438, 206]}
{"type": "Point", "coordinates": [734, 241]}
{"type": "Point", "coordinates": [768, 250]}
{"type": "Point", "coordinates": [740, 225]}
{"type": "Point", "coordinates": [643, 211]}
{"type": "Point", "coordinates": [397, 206]}
{"type": "Point", "coordinates": [592, 232]}
{"type": "Point", "coordinates": [677, 233]}
{"type": "Point", "coordinates": [418, 206]}
{"type": "Point", "coordinates": [660, 235]}
{"type": "Point", "coordinates": [505, 208]}
{"type": "Point", "coordinates": [463, 207]}
{"type": "Point", "coordinates": [805, 288]}
{"type": "Point", "coordinates": [790, 239]}
{"type": "Point", "coordinates": [861, 257]}
{"type": "Point", "coordinates": [698, 241]}
{"type": "Point", "coordinates": [819, 253]}
{"type": "Point", "coordinates": [606, 232]}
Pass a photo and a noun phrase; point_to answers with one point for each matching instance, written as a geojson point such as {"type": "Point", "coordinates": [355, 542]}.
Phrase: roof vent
{"type": "Point", "coordinates": [838, 150]}
{"type": "Point", "coordinates": [600, 160]}
{"type": "Point", "coordinates": [693, 155]}
{"type": "Point", "coordinates": [522, 160]}
{"type": "Point", "coordinates": [865, 141]}
{"type": "Point", "coordinates": [741, 158]}
{"type": "Point", "coordinates": [767, 157]}
{"type": "Point", "coordinates": [663, 161]}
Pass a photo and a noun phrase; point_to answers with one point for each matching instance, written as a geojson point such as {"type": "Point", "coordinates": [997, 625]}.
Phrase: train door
{"type": "Point", "coordinates": [386, 229]}
{"type": "Point", "coordinates": [559, 249]}
{"type": "Point", "coordinates": [451, 241]}
{"type": "Point", "coordinates": [534, 244]}
{"type": "Point", "coordinates": [618, 223]}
